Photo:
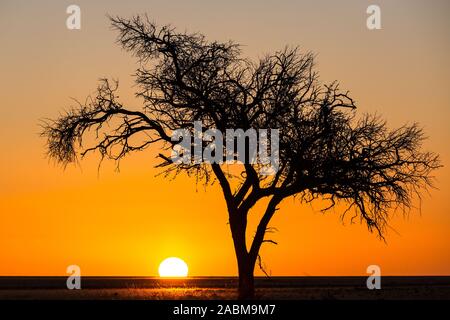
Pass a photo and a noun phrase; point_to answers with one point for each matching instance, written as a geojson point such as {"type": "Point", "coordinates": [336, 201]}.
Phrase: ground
{"type": "Point", "coordinates": [277, 288]}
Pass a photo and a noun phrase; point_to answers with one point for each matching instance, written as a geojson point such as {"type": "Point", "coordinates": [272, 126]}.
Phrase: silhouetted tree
{"type": "Point", "coordinates": [324, 151]}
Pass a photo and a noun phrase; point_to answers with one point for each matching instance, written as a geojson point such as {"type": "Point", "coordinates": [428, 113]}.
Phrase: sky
{"type": "Point", "coordinates": [127, 222]}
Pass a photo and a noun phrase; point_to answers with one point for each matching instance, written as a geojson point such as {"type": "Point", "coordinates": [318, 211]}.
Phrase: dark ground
{"type": "Point", "coordinates": [278, 288]}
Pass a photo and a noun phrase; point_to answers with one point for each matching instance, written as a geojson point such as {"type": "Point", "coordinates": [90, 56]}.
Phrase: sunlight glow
{"type": "Point", "coordinates": [173, 267]}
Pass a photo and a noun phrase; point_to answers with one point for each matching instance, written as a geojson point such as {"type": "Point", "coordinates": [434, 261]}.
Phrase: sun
{"type": "Point", "coordinates": [173, 267]}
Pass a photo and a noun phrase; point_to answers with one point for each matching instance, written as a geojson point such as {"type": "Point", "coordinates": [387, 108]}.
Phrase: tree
{"type": "Point", "coordinates": [325, 151]}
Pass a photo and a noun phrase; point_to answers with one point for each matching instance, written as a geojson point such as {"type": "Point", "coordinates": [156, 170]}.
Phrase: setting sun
{"type": "Point", "coordinates": [173, 267]}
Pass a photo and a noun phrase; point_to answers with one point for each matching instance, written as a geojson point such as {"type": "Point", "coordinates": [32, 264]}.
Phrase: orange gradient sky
{"type": "Point", "coordinates": [126, 223]}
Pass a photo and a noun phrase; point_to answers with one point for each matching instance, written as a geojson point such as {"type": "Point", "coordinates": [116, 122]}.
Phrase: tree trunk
{"type": "Point", "coordinates": [246, 288]}
{"type": "Point", "coordinates": [245, 264]}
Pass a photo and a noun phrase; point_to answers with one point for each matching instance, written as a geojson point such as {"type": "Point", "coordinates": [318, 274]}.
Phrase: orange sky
{"type": "Point", "coordinates": [126, 223]}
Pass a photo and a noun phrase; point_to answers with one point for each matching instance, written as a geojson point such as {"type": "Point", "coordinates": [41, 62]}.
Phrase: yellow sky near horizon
{"type": "Point", "coordinates": [126, 223]}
